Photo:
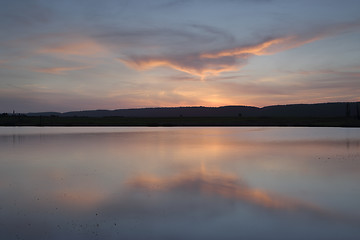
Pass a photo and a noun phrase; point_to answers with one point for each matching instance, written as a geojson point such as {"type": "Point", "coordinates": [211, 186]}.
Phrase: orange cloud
{"type": "Point", "coordinates": [280, 44]}
{"type": "Point", "coordinates": [188, 64]}
{"type": "Point", "coordinates": [59, 70]}
{"type": "Point", "coordinates": [216, 62]}
{"type": "Point", "coordinates": [257, 49]}
{"type": "Point", "coordinates": [81, 48]}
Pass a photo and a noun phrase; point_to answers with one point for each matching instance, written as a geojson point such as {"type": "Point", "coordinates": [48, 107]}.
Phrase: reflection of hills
{"type": "Point", "coordinates": [294, 110]}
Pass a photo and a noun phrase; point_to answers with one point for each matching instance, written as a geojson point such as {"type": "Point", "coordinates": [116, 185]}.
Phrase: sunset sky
{"type": "Point", "coordinates": [110, 54]}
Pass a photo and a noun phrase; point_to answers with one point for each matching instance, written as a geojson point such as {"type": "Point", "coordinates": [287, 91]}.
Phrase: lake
{"type": "Point", "coordinates": [179, 183]}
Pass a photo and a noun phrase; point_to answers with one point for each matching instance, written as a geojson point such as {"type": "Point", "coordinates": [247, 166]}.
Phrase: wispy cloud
{"type": "Point", "coordinates": [79, 48]}
{"type": "Point", "coordinates": [205, 63]}
{"type": "Point", "coordinates": [184, 38]}
{"type": "Point", "coordinates": [192, 64]}
{"type": "Point", "coordinates": [211, 62]}
{"type": "Point", "coordinates": [345, 73]}
{"type": "Point", "coordinates": [59, 70]}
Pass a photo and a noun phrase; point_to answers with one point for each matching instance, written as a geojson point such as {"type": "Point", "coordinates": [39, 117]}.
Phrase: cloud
{"type": "Point", "coordinates": [59, 70]}
{"type": "Point", "coordinates": [164, 39]}
{"type": "Point", "coordinates": [80, 48]}
{"type": "Point", "coordinates": [208, 63]}
{"type": "Point", "coordinates": [191, 64]}
{"type": "Point", "coordinates": [291, 88]}
{"type": "Point", "coordinates": [205, 63]}
{"type": "Point", "coordinates": [340, 73]}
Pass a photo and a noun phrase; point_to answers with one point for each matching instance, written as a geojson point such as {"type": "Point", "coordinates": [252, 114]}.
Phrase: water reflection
{"type": "Point", "coordinates": [179, 183]}
{"type": "Point", "coordinates": [224, 185]}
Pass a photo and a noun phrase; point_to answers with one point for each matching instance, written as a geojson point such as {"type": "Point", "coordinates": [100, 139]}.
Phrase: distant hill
{"type": "Point", "coordinates": [341, 109]}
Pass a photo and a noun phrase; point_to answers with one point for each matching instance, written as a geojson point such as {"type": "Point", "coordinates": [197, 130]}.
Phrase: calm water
{"type": "Point", "coordinates": [179, 183]}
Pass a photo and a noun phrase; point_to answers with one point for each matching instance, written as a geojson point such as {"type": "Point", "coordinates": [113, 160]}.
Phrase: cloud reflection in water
{"type": "Point", "coordinates": [215, 183]}
{"type": "Point", "coordinates": [208, 203]}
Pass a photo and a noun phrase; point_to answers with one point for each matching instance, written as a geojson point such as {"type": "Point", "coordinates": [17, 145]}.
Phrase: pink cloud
{"type": "Point", "coordinates": [79, 48]}
{"type": "Point", "coordinates": [192, 64]}
{"type": "Point", "coordinates": [59, 70]}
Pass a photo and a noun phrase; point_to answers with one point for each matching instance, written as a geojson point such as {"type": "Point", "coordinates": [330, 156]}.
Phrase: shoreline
{"type": "Point", "coordinates": [49, 121]}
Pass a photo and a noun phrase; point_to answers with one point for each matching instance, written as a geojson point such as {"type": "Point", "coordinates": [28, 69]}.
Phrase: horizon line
{"type": "Point", "coordinates": [199, 106]}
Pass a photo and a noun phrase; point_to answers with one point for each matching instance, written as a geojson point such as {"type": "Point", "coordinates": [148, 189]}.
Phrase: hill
{"type": "Point", "coordinates": [321, 110]}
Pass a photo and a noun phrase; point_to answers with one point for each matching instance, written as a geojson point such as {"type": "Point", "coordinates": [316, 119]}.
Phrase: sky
{"type": "Point", "coordinates": [111, 54]}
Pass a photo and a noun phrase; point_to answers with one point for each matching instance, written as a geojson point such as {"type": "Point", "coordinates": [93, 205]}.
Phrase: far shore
{"type": "Point", "coordinates": [23, 120]}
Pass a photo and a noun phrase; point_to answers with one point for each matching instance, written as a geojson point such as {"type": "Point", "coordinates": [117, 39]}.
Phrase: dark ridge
{"type": "Point", "coordinates": [339, 109]}
{"type": "Point", "coordinates": [44, 114]}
